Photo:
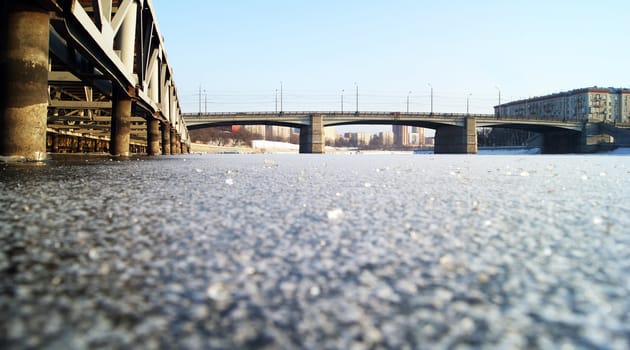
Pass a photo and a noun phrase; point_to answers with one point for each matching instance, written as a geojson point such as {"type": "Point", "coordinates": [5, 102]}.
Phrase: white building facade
{"type": "Point", "coordinates": [589, 104]}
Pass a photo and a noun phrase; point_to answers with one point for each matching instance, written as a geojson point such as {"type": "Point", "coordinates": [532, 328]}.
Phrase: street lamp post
{"type": "Point", "coordinates": [499, 93]}
{"type": "Point", "coordinates": [409, 93]}
{"type": "Point", "coordinates": [357, 99]}
{"type": "Point", "coordinates": [468, 103]}
{"type": "Point", "coordinates": [431, 86]}
{"type": "Point", "coordinates": [281, 109]}
{"type": "Point", "coordinates": [342, 101]}
{"type": "Point", "coordinates": [276, 100]}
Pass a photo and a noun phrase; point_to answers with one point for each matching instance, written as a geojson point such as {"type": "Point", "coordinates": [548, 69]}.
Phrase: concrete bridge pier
{"type": "Point", "coordinates": [456, 139]}
{"type": "Point", "coordinates": [153, 137]}
{"type": "Point", "coordinates": [174, 141]}
{"type": "Point", "coordinates": [166, 138]}
{"type": "Point", "coordinates": [178, 144]}
{"type": "Point", "coordinates": [121, 123]}
{"type": "Point", "coordinates": [312, 136]}
{"type": "Point", "coordinates": [24, 85]}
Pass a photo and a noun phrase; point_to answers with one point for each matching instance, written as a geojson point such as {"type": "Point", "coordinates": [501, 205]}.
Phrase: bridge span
{"type": "Point", "coordinates": [84, 75]}
{"type": "Point", "coordinates": [455, 132]}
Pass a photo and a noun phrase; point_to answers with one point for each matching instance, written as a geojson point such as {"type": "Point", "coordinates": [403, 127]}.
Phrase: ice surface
{"type": "Point", "coordinates": [510, 251]}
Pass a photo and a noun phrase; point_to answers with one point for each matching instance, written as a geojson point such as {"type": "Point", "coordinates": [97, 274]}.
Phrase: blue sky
{"type": "Point", "coordinates": [239, 51]}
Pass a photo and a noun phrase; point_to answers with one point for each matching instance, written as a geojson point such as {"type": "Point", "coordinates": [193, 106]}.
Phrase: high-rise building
{"type": "Point", "coordinates": [256, 130]}
{"type": "Point", "coordinates": [330, 134]}
{"type": "Point", "coordinates": [592, 104]}
{"type": "Point", "coordinates": [387, 137]}
{"type": "Point", "coordinates": [401, 135]}
{"type": "Point", "coordinates": [417, 136]}
{"type": "Point", "coordinates": [274, 132]}
{"type": "Point", "coordinates": [364, 138]}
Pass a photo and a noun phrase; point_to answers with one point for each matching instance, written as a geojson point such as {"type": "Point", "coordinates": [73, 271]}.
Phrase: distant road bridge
{"type": "Point", "coordinates": [86, 75]}
{"type": "Point", "coordinates": [455, 133]}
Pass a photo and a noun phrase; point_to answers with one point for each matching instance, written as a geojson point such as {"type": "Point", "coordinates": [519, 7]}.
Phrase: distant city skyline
{"type": "Point", "coordinates": [252, 56]}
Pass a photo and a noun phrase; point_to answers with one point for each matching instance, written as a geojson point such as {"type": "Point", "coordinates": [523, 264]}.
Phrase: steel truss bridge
{"type": "Point", "coordinates": [93, 72]}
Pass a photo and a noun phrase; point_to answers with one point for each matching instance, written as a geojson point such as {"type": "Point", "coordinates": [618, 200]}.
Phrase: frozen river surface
{"type": "Point", "coordinates": [316, 252]}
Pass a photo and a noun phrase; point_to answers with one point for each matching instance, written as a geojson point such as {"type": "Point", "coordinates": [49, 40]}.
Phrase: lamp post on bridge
{"type": "Point", "coordinates": [409, 93]}
{"type": "Point", "coordinates": [468, 103]}
{"type": "Point", "coordinates": [431, 86]}
{"type": "Point", "coordinates": [281, 109]}
{"type": "Point", "coordinates": [357, 86]}
{"type": "Point", "coordinates": [499, 109]}
{"type": "Point", "coordinates": [342, 101]}
{"type": "Point", "coordinates": [499, 93]}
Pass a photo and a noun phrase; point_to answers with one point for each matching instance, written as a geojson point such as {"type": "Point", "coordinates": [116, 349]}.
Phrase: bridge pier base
{"type": "Point", "coordinates": [24, 85]}
{"type": "Point", "coordinates": [121, 123]}
{"type": "Point", "coordinates": [166, 138]}
{"type": "Point", "coordinates": [456, 139]}
{"type": "Point", "coordinates": [312, 136]}
{"type": "Point", "coordinates": [153, 137]}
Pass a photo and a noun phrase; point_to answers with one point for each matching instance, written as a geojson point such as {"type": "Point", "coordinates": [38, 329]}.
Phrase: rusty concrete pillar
{"type": "Point", "coordinates": [121, 123]}
{"type": "Point", "coordinates": [55, 143]}
{"type": "Point", "coordinates": [153, 137]}
{"type": "Point", "coordinates": [166, 138]}
{"type": "Point", "coordinates": [174, 141]}
{"type": "Point", "coordinates": [24, 83]}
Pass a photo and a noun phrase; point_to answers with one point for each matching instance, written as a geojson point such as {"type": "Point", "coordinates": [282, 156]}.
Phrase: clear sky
{"type": "Point", "coordinates": [238, 51]}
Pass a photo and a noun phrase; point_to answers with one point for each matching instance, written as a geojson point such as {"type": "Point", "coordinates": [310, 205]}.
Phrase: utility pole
{"type": "Point", "coordinates": [281, 109]}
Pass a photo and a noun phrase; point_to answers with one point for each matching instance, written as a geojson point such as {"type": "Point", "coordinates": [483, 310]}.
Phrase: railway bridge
{"type": "Point", "coordinates": [86, 75]}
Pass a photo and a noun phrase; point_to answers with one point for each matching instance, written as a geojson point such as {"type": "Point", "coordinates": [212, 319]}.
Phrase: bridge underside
{"type": "Point", "coordinates": [553, 140]}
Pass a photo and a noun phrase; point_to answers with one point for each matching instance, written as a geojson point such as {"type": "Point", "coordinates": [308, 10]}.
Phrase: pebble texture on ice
{"type": "Point", "coordinates": [317, 252]}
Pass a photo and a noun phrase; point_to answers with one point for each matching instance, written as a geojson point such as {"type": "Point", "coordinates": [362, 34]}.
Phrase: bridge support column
{"type": "Point", "coordinates": [456, 139]}
{"type": "Point", "coordinates": [153, 137]}
{"type": "Point", "coordinates": [174, 141]}
{"type": "Point", "coordinates": [121, 123]}
{"type": "Point", "coordinates": [166, 138]}
{"type": "Point", "coordinates": [312, 136]}
{"type": "Point", "coordinates": [24, 85]}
